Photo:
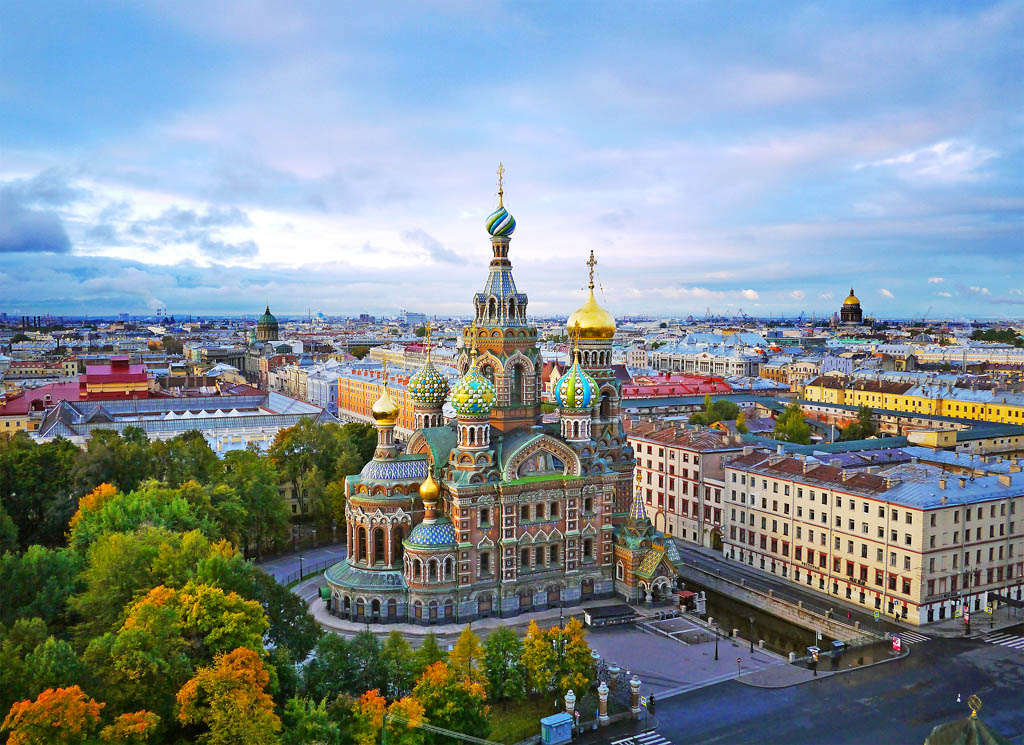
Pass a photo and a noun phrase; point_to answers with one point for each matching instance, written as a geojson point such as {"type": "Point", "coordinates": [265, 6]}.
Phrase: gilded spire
{"type": "Point", "coordinates": [591, 262]}
{"type": "Point", "coordinates": [501, 181]}
{"type": "Point", "coordinates": [428, 342]}
{"type": "Point", "coordinates": [473, 351]}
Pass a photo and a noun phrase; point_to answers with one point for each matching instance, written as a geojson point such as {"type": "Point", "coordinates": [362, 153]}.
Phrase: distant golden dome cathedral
{"type": "Point", "coordinates": [851, 312]}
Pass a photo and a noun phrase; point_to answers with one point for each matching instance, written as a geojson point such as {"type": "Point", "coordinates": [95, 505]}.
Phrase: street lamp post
{"type": "Point", "coordinates": [751, 633]}
{"type": "Point", "coordinates": [715, 627]}
{"type": "Point", "coordinates": [300, 567]}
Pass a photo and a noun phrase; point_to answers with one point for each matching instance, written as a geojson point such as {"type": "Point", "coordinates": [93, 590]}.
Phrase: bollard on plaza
{"type": "Point", "coordinates": [613, 675]}
{"type": "Point", "coordinates": [570, 702]}
{"type": "Point", "coordinates": [634, 696]}
{"type": "Point", "coordinates": [602, 704]}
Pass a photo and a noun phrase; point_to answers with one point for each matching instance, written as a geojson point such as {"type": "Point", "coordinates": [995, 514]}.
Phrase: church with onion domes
{"type": "Point", "coordinates": [498, 512]}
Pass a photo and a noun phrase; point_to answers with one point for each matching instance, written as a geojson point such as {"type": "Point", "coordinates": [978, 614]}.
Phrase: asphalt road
{"type": "Point", "coordinates": [897, 702]}
{"type": "Point", "coordinates": [283, 566]}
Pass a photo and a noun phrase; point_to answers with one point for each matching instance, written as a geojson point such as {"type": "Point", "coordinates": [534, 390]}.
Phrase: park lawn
{"type": "Point", "coordinates": [512, 721]}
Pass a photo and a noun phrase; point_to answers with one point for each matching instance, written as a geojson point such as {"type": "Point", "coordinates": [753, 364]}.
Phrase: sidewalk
{"type": "Point", "coordinates": [627, 727]}
{"type": "Point", "coordinates": [981, 625]}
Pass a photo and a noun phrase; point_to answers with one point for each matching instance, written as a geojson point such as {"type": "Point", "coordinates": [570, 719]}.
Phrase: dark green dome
{"type": "Point", "coordinates": [266, 326]}
{"type": "Point", "coordinates": [267, 319]}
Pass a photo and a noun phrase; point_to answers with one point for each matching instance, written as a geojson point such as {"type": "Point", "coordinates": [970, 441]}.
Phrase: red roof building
{"type": "Point", "coordinates": [673, 384]}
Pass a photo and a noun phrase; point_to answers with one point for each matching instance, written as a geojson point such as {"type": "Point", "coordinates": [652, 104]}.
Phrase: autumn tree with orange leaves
{"type": "Point", "coordinates": [58, 716]}
{"type": "Point", "coordinates": [368, 715]}
{"type": "Point", "coordinates": [452, 702]}
{"type": "Point", "coordinates": [228, 701]}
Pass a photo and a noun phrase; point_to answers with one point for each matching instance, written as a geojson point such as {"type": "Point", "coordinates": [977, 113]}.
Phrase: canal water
{"type": "Point", "coordinates": [779, 635]}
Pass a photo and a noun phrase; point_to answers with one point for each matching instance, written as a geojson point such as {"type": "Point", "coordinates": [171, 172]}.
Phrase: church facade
{"type": "Point", "coordinates": [499, 513]}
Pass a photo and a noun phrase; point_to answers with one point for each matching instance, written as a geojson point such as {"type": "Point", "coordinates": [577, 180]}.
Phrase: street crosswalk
{"type": "Point", "coordinates": [1007, 640]}
{"type": "Point", "coordinates": [647, 738]}
{"type": "Point", "coordinates": [912, 637]}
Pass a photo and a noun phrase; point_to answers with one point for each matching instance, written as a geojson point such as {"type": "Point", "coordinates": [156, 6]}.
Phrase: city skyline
{"type": "Point", "coordinates": [214, 160]}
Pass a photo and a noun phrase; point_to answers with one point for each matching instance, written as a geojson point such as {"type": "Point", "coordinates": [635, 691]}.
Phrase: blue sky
{"type": "Point", "coordinates": [212, 157]}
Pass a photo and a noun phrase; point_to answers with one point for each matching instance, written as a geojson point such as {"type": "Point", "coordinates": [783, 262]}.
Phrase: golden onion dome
{"type": "Point", "coordinates": [385, 411]}
{"type": "Point", "coordinates": [430, 490]}
{"type": "Point", "coordinates": [592, 321]}
{"type": "Point", "coordinates": [851, 299]}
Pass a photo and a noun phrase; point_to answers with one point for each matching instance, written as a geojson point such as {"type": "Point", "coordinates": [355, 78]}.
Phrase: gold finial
{"type": "Point", "coordinates": [576, 342]}
{"type": "Point", "coordinates": [384, 373]}
{"type": "Point", "coordinates": [473, 350]}
{"type": "Point", "coordinates": [501, 180]}
{"type": "Point", "coordinates": [591, 262]}
{"type": "Point", "coordinates": [975, 703]}
{"type": "Point", "coordinates": [428, 341]}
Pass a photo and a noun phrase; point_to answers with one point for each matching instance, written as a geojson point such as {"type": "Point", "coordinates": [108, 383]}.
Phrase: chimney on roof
{"type": "Point", "coordinates": [943, 499]}
{"type": "Point", "coordinates": [779, 450]}
{"type": "Point", "coordinates": [746, 451]}
{"type": "Point", "coordinates": [844, 475]}
{"type": "Point", "coordinates": [1005, 479]}
{"type": "Point", "coordinates": [890, 482]}
{"type": "Point", "coordinates": [963, 482]}
{"type": "Point", "coordinates": [835, 462]}
{"type": "Point", "coordinates": [942, 483]}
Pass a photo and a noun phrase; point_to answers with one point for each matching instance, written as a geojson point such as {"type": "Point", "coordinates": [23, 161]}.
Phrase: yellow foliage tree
{"type": "Point", "coordinates": [93, 501]}
{"type": "Point", "coordinates": [368, 715]}
{"type": "Point", "coordinates": [229, 699]}
{"type": "Point", "coordinates": [467, 658]}
{"type": "Point", "coordinates": [557, 659]}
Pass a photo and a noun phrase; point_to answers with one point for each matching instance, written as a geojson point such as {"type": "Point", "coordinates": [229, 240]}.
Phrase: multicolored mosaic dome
{"type": "Point", "coordinates": [428, 387]}
{"type": "Point", "coordinates": [576, 389]}
{"type": "Point", "coordinates": [473, 395]}
{"type": "Point", "coordinates": [500, 222]}
{"type": "Point", "coordinates": [431, 535]}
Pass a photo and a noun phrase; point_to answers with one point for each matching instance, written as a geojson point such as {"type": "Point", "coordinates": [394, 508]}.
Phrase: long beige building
{"type": "Point", "coordinates": [912, 541]}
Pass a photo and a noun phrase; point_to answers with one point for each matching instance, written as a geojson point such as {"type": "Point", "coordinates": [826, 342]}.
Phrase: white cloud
{"type": "Point", "coordinates": [797, 294]}
{"type": "Point", "coordinates": [750, 294]}
{"type": "Point", "coordinates": [944, 162]}
{"type": "Point", "coordinates": [826, 296]}
{"type": "Point", "coordinates": [936, 280]}
{"type": "Point", "coordinates": [1016, 291]}
{"type": "Point", "coordinates": [886, 293]}
{"type": "Point", "coordinates": [945, 294]}
{"type": "Point", "coordinates": [976, 290]}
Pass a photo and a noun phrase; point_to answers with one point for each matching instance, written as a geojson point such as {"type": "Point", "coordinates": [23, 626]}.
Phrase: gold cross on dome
{"type": "Point", "coordinates": [472, 331]}
{"type": "Point", "coordinates": [501, 180]}
{"type": "Point", "coordinates": [591, 262]}
{"type": "Point", "coordinates": [428, 341]}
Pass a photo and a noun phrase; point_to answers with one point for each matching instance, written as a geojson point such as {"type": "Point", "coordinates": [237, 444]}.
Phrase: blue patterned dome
{"type": "Point", "coordinates": [500, 222]}
{"type": "Point", "coordinates": [473, 395]}
{"type": "Point", "coordinates": [576, 389]}
{"type": "Point", "coordinates": [428, 387]}
{"type": "Point", "coordinates": [431, 535]}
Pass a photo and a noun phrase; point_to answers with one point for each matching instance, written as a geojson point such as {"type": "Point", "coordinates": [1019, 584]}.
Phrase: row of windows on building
{"type": "Point", "coordinates": [684, 457]}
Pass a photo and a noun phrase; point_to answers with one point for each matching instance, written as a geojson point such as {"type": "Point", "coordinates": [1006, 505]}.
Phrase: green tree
{"type": "Point", "coordinates": [229, 703]}
{"type": "Point", "coordinates": [428, 653]}
{"type": "Point", "coordinates": [741, 423]}
{"type": "Point", "coordinates": [328, 672]}
{"type": "Point", "coordinates": [399, 665]}
{"type": "Point", "coordinates": [151, 504]}
{"type": "Point", "coordinates": [791, 426]}
{"type": "Point", "coordinates": [421, 331]}
{"type": "Point", "coordinates": [8, 532]}
{"type": "Point", "coordinates": [365, 660]}
{"type": "Point", "coordinates": [54, 664]}
{"type": "Point", "coordinates": [173, 345]}
{"type": "Point", "coordinates": [124, 461]}
{"type": "Point", "coordinates": [38, 583]}
{"type": "Point", "coordinates": [449, 702]}
{"type": "Point", "coordinates": [187, 457]}
{"type": "Point", "coordinates": [306, 722]}
{"type": "Point", "coordinates": [503, 665]}
{"type": "Point", "coordinates": [36, 487]}
{"type": "Point", "coordinates": [466, 659]}
{"type": "Point", "coordinates": [16, 643]}
{"type": "Point", "coordinates": [255, 479]}
{"type": "Point", "coordinates": [721, 410]}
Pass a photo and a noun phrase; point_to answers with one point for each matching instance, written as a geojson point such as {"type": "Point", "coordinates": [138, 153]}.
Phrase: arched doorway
{"type": "Point", "coordinates": [375, 610]}
{"type": "Point", "coordinates": [484, 605]}
{"type": "Point", "coordinates": [716, 539]}
{"type": "Point", "coordinates": [525, 600]}
{"type": "Point", "coordinates": [449, 609]}
{"type": "Point", "coordinates": [587, 589]}
{"type": "Point", "coordinates": [392, 608]}
{"type": "Point", "coordinates": [554, 595]}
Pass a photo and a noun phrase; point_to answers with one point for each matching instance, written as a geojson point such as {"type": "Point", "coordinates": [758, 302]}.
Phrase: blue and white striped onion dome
{"type": "Point", "coordinates": [429, 535]}
{"type": "Point", "coordinates": [500, 222]}
{"type": "Point", "coordinates": [473, 394]}
{"type": "Point", "coordinates": [428, 386]}
{"type": "Point", "coordinates": [576, 389]}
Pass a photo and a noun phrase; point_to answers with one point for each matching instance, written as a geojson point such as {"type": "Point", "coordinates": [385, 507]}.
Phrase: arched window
{"type": "Point", "coordinates": [492, 309]}
{"type": "Point", "coordinates": [379, 554]}
{"type": "Point", "coordinates": [417, 570]}
{"type": "Point", "coordinates": [361, 553]}
{"type": "Point", "coordinates": [517, 394]}
{"type": "Point", "coordinates": [432, 570]}
{"type": "Point", "coordinates": [397, 549]}
{"type": "Point", "coordinates": [392, 608]}
{"type": "Point", "coordinates": [538, 556]}
{"type": "Point", "coordinates": [588, 548]}
{"type": "Point", "coordinates": [448, 572]}
{"type": "Point", "coordinates": [618, 570]}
